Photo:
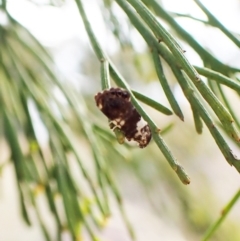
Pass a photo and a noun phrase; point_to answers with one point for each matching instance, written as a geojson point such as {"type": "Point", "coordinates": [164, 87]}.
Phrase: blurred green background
{"type": "Point", "coordinates": [58, 155]}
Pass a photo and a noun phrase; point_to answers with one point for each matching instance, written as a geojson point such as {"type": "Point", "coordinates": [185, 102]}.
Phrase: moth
{"type": "Point", "coordinates": [115, 103]}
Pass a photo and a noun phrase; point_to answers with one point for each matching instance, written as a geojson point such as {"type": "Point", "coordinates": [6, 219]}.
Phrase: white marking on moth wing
{"type": "Point", "coordinates": [117, 120]}
{"type": "Point", "coordinates": [122, 122]}
{"type": "Point", "coordinates": [115, 123]}
{"type": "Point", "coordinates": [100, 106]}
{"type": "Point", "coordinates": [140, 124]}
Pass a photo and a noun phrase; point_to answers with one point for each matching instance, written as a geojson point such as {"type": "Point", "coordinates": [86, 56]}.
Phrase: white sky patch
{"type": "Point", "coordinates": [3, 18]}
{"type": "Point", "coordinates": [51, 25]}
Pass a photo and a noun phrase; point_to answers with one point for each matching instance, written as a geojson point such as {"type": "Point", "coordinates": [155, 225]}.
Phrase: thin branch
{"type": "Point", "coordinates": [166, 37]}
{"type": "Point", "coordinates": [220, 78]}
{"type": "Point", "coordinates": [203, 53]}
{"type": "Point", "coordinates": [155, 130]}
{"type": "Point", "coordinates": [152, 103]}
{"type": "Point", "coordinates": [163, 80]}
{"type": "Point", "coordinates": [209, 233]}
{"type": "Point", "coordinates": [119, 80]}
{"type": "Point", "coordinates": [215, 22]}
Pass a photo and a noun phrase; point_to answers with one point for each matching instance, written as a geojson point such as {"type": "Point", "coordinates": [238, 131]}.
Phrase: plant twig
{"type": "Point", "coordinates": [165, 85]}
{"type": "Point", "coordinates": [209, 233]}
{"type": "Point", "coordinates": [150, 102]}
{"type": "Point", "coordinates": [207, 57]}
{"type": "Point", "coordinates": [163, 35]}
{"type": "Point", "coordinates": [215, 22]}
{"type": "Point", "coordinates": [119, 80]}
{"type": "Point", "coordinates": [220, 78]}
{"type": "Point", "coordinates": [155, 130]}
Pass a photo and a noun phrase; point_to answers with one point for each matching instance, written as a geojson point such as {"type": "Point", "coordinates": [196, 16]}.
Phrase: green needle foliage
{"type": "Point", "coordinates": [43, 168]}
{"type": "Point", "coordinates": [28, 82]}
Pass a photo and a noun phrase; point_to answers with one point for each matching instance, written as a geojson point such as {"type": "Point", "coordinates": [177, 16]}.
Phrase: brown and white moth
{"type": "Point", "coordinates": [116, 104]}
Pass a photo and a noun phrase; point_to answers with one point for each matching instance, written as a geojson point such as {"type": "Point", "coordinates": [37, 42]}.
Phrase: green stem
{"type": "Point", "coordinates": [224, 214]}
{"type": "Point", "coordinates": [122, 83]}
{"type": "Point", "coordinates": [150, 102]}
{"type": "Point", "coordinates": [119, 80]}
{"type": "Point", "coordinates": [215, 22]}
{"type": "Point", "coordinates": [153, 44]}
{"type": "Point", "coordinates": [197, 120]}
{"type": "Point", "coordinates": [105, 78]}
{"type": "Point", "coordinates": [94, 42]}
{"type": "Point", "coordinates": [166, 88]}
{"type": "Point", "coordinates": [222, 113]}
{"type": "Point", "coordinates": [196, 103]}
{"type": "Point", "coordinates": [228, 105]}
{"type": "Point", "coordinates": [163, 35]}
{"type": "Point", "coordinates": [203, 53]}
{"type": "Point", "coordinates": [220, 78]}
{"type": "Point", "coordinates": [190, 92]}
{"type": "Point", "coordinates": [182, 15]}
